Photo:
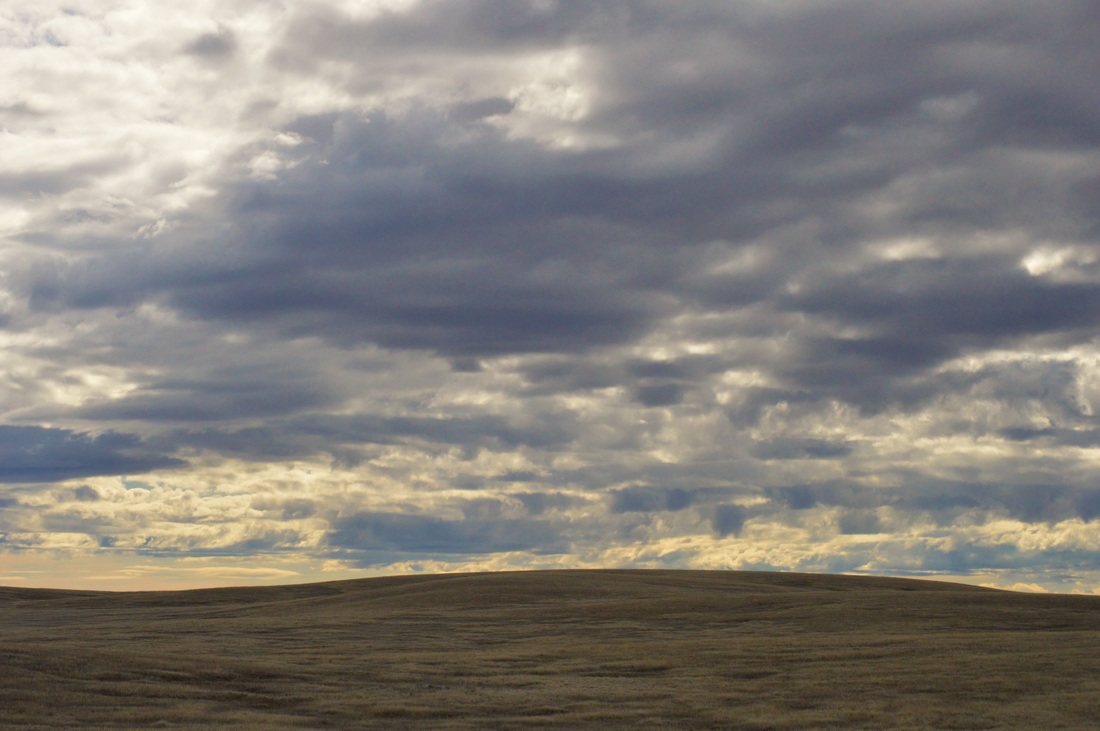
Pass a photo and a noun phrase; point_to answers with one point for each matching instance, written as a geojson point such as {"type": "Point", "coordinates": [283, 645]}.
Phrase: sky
{"type": "Point", "coordinates": [298, 291]}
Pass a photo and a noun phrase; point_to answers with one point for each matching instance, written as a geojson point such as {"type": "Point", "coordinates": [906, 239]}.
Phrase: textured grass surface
{"type": "Point", "coordinates": [569, 649]}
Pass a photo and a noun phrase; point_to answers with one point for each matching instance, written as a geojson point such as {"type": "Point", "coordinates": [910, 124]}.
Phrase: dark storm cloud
{"type": "Point", "coordinates": [944, 501]}
{"type": "Point", "coordinates": [31, 454]}
{"type": "Point", "coordinates": [859, 522]}
{"type": "Point", "coordinates": [883, 75]}
{"type": "Point", "coordinates": [651, 382]}
{"type": "Point", "coordinates": [569, 374]}
{"type": "Point", "coordinates": [394, 532]}
{"type": "Point", "coordinates": [272, 540]}
{"type": "Point", "coordinates": [1029, 503]}
{"type": "Point", "coordinates": [540, 430]}
{"type": "Point", "coordinates": [432, 230]}
{"type": "Point", "coordinates": [387, 235]}
{"type": "Point", "coordinates": [960, 298]}
{"type": "Point", "coordinates": [1087, 438]}
{"type": "Point", "coordinates": [312, 434]}
{"type": "Point", "coordinates": [918, 314]}
{"type": "Point", "coordinates": [650, 499]}
{"type": "Point", "coordinates": [728, 520]}
{"type": "Point", "coordinates": [84, 493]}
{"type": "Point", "coordinates": [667, 382]}
{"type": "Point", "coordinates": [659, 394]}
{"type": "Point", "coordinates": [222, 395]}
{"type": "Point", "coordinates": [538, 503]}
{"type": "Point", "coordinates": [801, 449]}
{"type": "Point", "coordinates": [969, 558]}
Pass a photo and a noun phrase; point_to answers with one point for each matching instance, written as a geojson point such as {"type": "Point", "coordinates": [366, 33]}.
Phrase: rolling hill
{"type": "Point", "coordinates": [553, 649]}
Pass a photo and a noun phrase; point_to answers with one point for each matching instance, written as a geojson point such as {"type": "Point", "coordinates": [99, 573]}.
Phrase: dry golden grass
{"type": "Point", "coordinates": [562, 649]}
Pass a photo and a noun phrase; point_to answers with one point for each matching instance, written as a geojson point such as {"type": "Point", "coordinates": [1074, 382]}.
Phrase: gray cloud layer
{"type": "Point", "coordinates": [35, 454]}
{"type": "Point", "coordinates": [711, 273]}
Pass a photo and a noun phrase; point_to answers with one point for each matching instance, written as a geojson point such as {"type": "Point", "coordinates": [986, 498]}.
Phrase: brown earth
{"type": "Point", "coordinates": [561, 649]}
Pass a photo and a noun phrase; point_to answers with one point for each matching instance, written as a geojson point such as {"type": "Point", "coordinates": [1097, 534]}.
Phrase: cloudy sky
{"type": "Point", "coordinates": [292, 291]}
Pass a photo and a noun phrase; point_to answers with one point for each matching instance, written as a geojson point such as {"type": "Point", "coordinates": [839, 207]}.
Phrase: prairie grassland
{"type": "Point", "coordinates": [560, 649]}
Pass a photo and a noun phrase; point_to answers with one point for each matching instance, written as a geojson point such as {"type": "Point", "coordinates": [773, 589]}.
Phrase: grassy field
{"type": "Point", "coordinates": [562, 649]}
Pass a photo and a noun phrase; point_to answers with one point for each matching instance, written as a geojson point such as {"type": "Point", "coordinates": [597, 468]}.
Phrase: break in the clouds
{"type": "Point", "coordinates": [409, 285]}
